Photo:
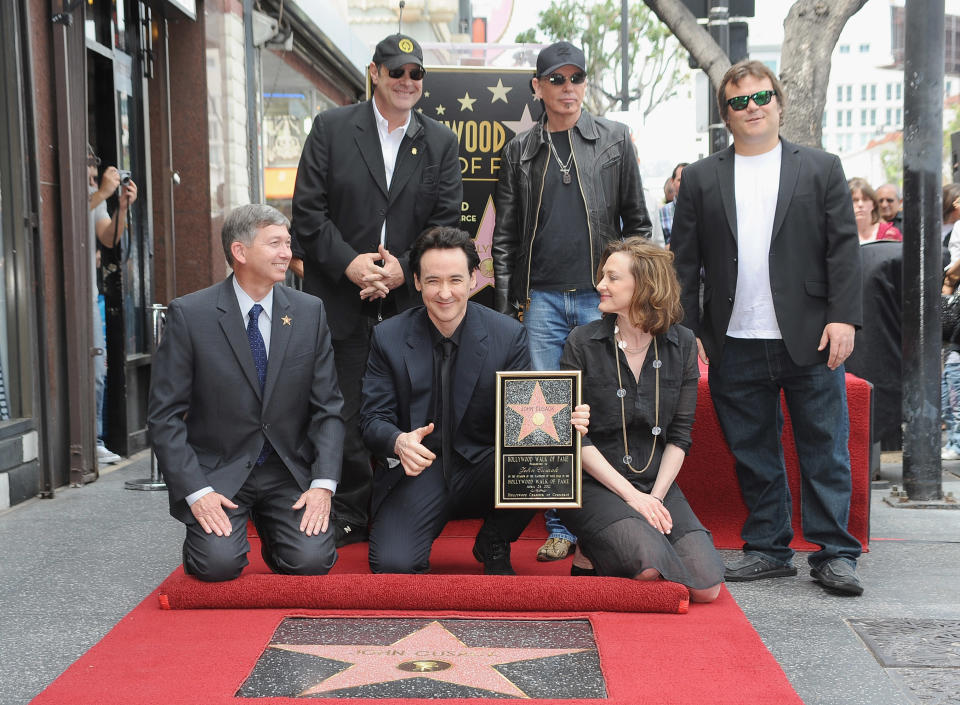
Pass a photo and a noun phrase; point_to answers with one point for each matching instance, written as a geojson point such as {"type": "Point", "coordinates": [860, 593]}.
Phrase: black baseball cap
{"type": "Point", "coordinates": [398, 50]}
{"type": "Point", "coordinates": [560, 54]}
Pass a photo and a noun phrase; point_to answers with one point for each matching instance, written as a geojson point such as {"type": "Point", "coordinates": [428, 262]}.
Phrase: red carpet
{"type": "Point", "coordinates": [419, 592]}
{"type": "Point", "coordinates": [159, 657]}
{"type": "Point", "coordinates": [709, 481]}
{"type": "Point", "coordinates": [455, 585]}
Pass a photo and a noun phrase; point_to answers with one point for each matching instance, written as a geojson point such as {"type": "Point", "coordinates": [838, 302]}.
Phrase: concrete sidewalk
{"type": "Point", "coordinates": [71, 567]}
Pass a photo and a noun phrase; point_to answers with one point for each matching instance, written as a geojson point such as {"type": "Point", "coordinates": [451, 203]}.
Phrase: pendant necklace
{"type": "Point", "coordinates": [564, 167]}
{"type": "Point", "coordinates": [622, 392]}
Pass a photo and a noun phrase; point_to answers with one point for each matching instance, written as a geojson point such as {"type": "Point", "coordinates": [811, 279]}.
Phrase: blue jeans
{"type": "Point", "coordinates": [950, 403]}
{"type": "Point", "coordinates": [745, 384]}
{"type": "Point", "coordinates": [548, 320]}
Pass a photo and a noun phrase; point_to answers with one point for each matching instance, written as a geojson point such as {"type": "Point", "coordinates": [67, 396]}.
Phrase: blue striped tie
{"type": "Point", "coordinates": [259, 351]}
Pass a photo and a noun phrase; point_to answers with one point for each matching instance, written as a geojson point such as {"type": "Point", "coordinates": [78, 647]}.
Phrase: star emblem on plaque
{"type": "Point", "coordinates": [537, 461]}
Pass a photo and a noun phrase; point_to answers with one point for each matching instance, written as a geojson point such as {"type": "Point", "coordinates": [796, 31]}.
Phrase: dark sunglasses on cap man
{"type": "Point", "coordinates": [416, 73]}
{"type": "Point", "coordinates": [558, 79]}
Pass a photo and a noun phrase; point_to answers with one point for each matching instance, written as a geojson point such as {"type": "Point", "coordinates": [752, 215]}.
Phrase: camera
{"type": "Point", "coordinates": [124, 177]}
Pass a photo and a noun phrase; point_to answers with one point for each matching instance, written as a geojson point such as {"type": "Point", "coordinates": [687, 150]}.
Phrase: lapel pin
{"type": "Point", "coordinates": [413, 151]}
{"type": "Point", "coordinates": [287, 320]}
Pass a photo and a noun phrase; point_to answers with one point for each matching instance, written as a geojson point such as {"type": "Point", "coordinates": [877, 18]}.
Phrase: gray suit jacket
{"type": "Point", "coordinates": [206, 417]}
{"type": "Point", "coordinates": [814, 251]}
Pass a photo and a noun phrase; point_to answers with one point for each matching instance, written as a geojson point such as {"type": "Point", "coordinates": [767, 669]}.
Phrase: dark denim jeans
{"type": "Point", "coordinates": [745, 385]}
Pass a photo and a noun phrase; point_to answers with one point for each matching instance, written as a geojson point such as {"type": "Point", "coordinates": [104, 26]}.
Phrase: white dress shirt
{"type": "Point", "coordinates": [390, 147]}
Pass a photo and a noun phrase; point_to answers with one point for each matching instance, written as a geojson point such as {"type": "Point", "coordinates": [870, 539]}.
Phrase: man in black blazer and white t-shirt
{"type": "Point", "coordinates": [770, 224]}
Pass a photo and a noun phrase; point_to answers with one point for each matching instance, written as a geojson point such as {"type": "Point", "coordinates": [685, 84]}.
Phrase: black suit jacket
{"type": "Point", "coordinates": [814, 251]}
{"type": "Point", "coordinates": [341, 201]}
{"type": "Point", "coordinates": [398, 383]}
{"type": "Point", "coordinates": [206, 416]}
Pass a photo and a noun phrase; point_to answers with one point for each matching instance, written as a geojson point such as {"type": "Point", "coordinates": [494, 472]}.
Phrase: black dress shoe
{"type": "Point", "coordinates": [839, 577]}
{"type": "Point", "coordinates": [577, 570]}
{"type": "Point", "coordinates": [494, 553]}
{"type": "Point", "coordinates": [753, 567]}
{"type": "Point", "coordinates": [346, 533]}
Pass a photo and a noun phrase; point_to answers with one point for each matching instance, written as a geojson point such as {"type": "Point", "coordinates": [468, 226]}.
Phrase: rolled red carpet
{"type": "Point", "coordinates": [425, 592]}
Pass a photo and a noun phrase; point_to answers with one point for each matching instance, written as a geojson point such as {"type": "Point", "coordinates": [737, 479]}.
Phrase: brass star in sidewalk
{"type": "Point", "coordinates": [287, 320]}
{"type": "Point", "coordinates": [466, 103]}
{"type": "Point", "coordinates": [538, 415]}
{"type": "Point", "coordinates": [431, 652]}
{"type": "Point", "coordinates": [499, 91]}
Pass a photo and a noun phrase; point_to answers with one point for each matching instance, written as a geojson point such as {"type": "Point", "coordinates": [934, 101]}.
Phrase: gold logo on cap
{"type": "Point", "coordinates": [405, 45]}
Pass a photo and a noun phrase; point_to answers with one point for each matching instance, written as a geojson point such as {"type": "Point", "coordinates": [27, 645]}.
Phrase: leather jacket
{"type": "Point", "coordinates": [608, 177]}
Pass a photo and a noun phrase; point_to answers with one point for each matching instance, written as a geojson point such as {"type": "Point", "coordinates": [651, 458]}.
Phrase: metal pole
{"type": "Point", "coordinates": [719, 24]}
{"type": "Point", "coordinates": [624, 55]}
{"type": "Point", "coordinates": [154, 482]}
{"type": "Point", "coordinates": [922, 259]}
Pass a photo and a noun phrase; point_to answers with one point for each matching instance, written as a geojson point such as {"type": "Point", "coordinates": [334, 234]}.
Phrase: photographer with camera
{"type": "Point", "coordinates": [107, 231]}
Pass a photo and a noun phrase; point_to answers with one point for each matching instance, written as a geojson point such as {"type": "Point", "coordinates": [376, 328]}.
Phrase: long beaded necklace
{"type": "Point", "coordinates": [621, 393]}
{"type": "Point", "coordinates": [564, 167]}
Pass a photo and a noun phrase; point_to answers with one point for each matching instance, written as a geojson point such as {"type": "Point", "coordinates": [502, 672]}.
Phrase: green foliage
{"type": "Point", "coordinates": [656, 59]}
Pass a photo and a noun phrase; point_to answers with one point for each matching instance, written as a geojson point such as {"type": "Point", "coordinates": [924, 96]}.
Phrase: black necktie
{"type": "Point", "coordinates": [446, 407]}
{"type": "Point", "coordinates": [259, 351]}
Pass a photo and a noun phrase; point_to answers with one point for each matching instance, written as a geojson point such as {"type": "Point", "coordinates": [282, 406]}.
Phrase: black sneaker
{"type": "Point", "coordinates": [494, 553]}
{"type": "Point", "coordinates": [750, 566]}
{"type": "Point", "coordinates": [839, 577]}
{"type": "Point", "coordinates": [346, 533]}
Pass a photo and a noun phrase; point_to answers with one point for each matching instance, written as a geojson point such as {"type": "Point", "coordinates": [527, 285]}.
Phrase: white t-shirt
{"type": "Point", "coordinates": [756, 187]}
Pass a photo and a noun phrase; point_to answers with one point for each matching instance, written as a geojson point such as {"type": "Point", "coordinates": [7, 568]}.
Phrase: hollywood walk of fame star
{"type": "Point", "coordinates": [523, 124]}
{"type": "Point", "coordinates": [466, 103]}
{"type": "Point", "coordinates": [499, 91]}
{"type": "Point", "coordinates": [430, 652]}
{"type": "Point", "coordinates": [441, 110]}
{"type": "Point", "coordinates": [538, 415]}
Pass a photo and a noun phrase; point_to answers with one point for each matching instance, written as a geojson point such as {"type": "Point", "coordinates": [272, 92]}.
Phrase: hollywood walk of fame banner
{"type": "Point", "coordinates": [537, 450]}
{"type": "Point", "coordinates": [485, 107]}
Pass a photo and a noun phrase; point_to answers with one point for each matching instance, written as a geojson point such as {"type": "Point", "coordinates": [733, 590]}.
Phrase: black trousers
{"type": "Point", "coordinates": [267, 497]}
{"type": "Point", "coordinates": [411, 517]}
{"type": "Point", "coordinates": [351, 503]}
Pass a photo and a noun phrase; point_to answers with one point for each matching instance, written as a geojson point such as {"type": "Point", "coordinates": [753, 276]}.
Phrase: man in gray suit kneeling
{"type": "Point", "coordinates": [244, 411]}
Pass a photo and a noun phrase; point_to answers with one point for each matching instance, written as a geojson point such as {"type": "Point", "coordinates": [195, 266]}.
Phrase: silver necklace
{"type": "Point", "coordinates": [622, 392]}
{"type": "Point", "coordinates": [564, 167]}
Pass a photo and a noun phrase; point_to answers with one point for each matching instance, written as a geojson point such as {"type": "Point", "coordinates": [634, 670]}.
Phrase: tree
{"type": "Point", "coordinates": [655, 57]}
{"type": "Point", "coordinates": [810, 30]}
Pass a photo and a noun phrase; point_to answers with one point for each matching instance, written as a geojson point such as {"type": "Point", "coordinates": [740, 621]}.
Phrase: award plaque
{"type": "Point", "coordinates": [537, 452]}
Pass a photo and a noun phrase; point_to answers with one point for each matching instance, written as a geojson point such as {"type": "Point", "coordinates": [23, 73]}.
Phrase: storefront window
{"type": "Point", "coordinates": [290, 102]}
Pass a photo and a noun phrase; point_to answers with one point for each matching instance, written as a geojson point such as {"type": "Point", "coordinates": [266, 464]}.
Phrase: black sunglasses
{"type": "Point", "coordinates": [416, 73]}
{"type": "Point", "coordinates": [761, 98]}
{"type": "Point", "coordinates": [558, 79]}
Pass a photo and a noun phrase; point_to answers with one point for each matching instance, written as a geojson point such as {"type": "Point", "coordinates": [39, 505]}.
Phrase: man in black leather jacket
{"type": "Point", "coordinates": [567, 187]}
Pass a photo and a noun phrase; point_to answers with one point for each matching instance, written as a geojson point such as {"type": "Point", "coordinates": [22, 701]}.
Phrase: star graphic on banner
{"type": "Point", "coordinates": [426, 94]}
{"type": "Point", "coordinates": [537, 415]}
{"type": "Point", "coordinates": [431, 652]}
{"type": "Point", "coordinates": [441, 110]}
{"type": "Point", "coordinates": [484, 243]}
{"type": "Point", "coordinates": [466, 103]}
{"type": "Point", "coordinates": [499, 91]}
{"type": "Point", "coordinates": [523, 124]}
{"type": "Point", "coordinates": [420, 110]}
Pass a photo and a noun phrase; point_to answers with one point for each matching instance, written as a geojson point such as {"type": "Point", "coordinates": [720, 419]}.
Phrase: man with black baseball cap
{"type": "Point", "coordinates": [372, 177]}
{"type": "Point", "coordinates": [567, 187]}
